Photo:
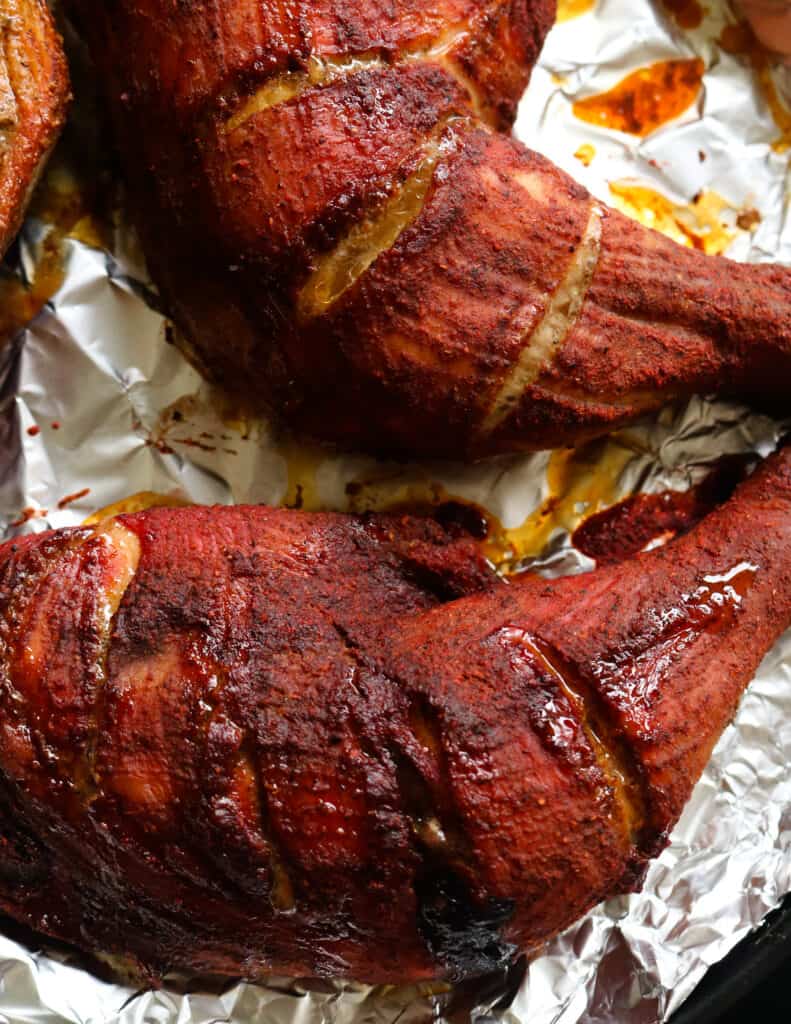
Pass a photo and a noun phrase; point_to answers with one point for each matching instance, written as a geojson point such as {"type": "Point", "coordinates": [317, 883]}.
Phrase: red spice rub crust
{"type": "Point", "coordinates": [505, 311]}
{"type": "Point", "coordinates": [248, 740]}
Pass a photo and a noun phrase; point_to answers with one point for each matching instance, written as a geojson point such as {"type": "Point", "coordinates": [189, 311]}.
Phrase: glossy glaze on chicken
{"type": "Point", "coordinates": [341, 232]}
{"type": "Point", "coordinates": [247, 740]}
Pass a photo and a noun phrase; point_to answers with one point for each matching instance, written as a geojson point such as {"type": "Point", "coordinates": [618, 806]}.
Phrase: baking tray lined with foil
{"type": "Point", "coordinates": [669, 113]}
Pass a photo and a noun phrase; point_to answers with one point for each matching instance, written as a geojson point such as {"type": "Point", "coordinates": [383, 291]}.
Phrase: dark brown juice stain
{"type": "Point", "coordinates": [419, 498]}
{"type": "Point", "coordinates": [739, 40]}
{"type": "Point", "coordinates": [646, 99]}
{"type": "Point", "coordinates": [748, 219]}
{"type": "Point", "coordinates": [686, 13]}
{"type": "Point", "coordinates": [27, 514]}
{"type": "Point", "coordinates": [648, 520]}
{"type": "Point", "coordinates": [182, 422]}
{"type": "Point", "coordinates": [70, 499]}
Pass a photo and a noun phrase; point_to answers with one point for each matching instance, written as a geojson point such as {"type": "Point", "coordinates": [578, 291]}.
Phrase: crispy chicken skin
{"type": "Point", "coordinates": [247, 740]}
{"type": "Point", "coordinates": [34, 95]}
{"type": "Point", "coordinates": [341, 233]}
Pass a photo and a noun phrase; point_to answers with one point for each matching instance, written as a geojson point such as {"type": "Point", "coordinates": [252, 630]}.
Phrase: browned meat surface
{"type": "Point", "coordinates": [341, 234]}
{"type": "Point", "coordinates": [644, 520]}
{"type": "Point", "coordinates": [34, 94]}
{"type": "Point", "coordinates": [246, 739]}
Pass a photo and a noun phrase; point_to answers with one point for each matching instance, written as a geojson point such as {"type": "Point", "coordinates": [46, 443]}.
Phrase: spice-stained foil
{"type": "Point", "coordinates": [669, 112]}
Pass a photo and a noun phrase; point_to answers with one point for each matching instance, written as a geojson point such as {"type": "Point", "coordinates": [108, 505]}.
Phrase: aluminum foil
{"type": "Point", "coordinates": [96, 406]}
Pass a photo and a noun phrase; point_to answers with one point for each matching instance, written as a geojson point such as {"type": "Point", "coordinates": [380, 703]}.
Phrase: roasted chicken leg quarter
{"type": "Point", "coordinates": [342, 233]}
{"type": "Point", "coordinates": [34, 94]}
{"type": "Point", "coordinates": [244, 740]}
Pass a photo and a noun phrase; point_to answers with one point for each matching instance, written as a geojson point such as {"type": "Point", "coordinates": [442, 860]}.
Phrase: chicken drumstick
{"type": "Point", "coordinates": [246, 740]}
{"type": "Point", "coordinates": [341, 233]}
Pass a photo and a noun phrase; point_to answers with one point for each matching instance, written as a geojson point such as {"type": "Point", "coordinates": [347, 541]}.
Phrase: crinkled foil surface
{"type": "Point", "coordinates": [96, 406]}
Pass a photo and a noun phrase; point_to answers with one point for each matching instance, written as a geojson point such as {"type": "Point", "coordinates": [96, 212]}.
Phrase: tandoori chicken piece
{"type": "Point", "coordinates": [343, 235]}
{"type": "Point", "coordinates": [244, 740]}
{"type": "Point", "coordinates": [34, 96]}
